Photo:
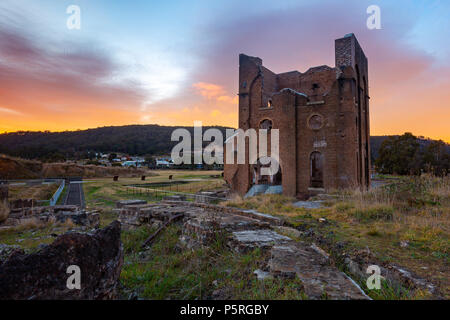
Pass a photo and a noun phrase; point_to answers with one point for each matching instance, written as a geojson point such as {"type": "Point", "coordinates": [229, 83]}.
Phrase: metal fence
{"type": "Point", "coordinates": [58, 192]}
{"type": "Point", "coordinates": [160, 194]}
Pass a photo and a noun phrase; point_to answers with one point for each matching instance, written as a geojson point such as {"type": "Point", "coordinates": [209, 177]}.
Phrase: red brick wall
{"type": "Point", "coordinates": [332, 94]}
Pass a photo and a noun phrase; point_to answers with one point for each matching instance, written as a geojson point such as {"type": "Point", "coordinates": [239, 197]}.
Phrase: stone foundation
{"type": "Point", "coordinates": [54, 213]}
{"type": "Point", "coordinates": [243, 231]}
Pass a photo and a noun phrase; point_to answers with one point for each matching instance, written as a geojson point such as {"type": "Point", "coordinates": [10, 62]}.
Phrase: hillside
{"type": "Point", "coordinates": [15, 168]}
{"type": "Point", "coordinates": [132, 139]}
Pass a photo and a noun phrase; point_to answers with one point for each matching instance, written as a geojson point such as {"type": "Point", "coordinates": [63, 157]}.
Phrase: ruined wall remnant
{"type": "Point", "coordinates": [323, 120]}
{"type": "Point", "coordinates": [60, 214]}
{"type": "Point", "coordinates": [43, 275]}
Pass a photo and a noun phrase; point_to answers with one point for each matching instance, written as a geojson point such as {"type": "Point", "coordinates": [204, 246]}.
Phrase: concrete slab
{"type": "Point", "coordinates": [309, 204]}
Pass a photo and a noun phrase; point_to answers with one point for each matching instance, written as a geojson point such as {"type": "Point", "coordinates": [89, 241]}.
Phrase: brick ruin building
{"type": "Point", "coordinates": [323, 121]}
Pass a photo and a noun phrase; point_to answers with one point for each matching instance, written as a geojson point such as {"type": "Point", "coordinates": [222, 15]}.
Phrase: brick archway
{"type": "Point", "coordinates": [274, 180]}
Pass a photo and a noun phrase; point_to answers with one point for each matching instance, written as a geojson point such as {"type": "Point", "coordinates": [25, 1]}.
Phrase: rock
{"type": "Point", "coordinates": [413, 280]}
{"type": "Point", "coordinates": [263, 216]}
{"type": "Point", "coordinates": [354, 268]}
{"type": "Point", "coordinates": [309, 204]}
{"type": "Point", "coordinates": [291, 232]}
{"type": "Point", "coordinates": [133, 296]}
{"type": "Point", "coordinates": [175, 198]}
{"type": "Point", "coordinates": [244, 241]}
{"type": "Point", "coordinates": [60, 214]}
{"type": "Point", "coordinates": [6, 250]}
{"type": "Point", "coordinates": [221, 294]}
{"type": "Point", "coordinates": [262, 275]}
{"type": "Point", "coordinates": [42, 246]}
{"type": "Point", "coordinates": [123, 203]}
{"type": "Point", "coordinates": [320, 279]}
{"type": "Point", "coordinates": [320, 251]}
{"type": "Point", "coordinates": [282, 263]}
{"type": "Point", "coordinates": [42, 275]}
{"type": "Point", "coordinates": [157, 224]}
{"type": "Point", "coordinates": [204, 196]}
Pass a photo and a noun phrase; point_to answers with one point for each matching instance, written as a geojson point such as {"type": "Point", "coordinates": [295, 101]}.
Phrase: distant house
{"type": "Point", "coordinates": [129, 164]}
{"type": "Point", "coordinates": [133, 163]}
{"type": "Point", "coordinates": [164, 163]}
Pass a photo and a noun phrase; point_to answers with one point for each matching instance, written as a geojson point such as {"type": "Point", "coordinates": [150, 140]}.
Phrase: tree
{"type": "Point", "coordinates": [400, 155]}
{"type": "Point", "coordinates": [436, 158]}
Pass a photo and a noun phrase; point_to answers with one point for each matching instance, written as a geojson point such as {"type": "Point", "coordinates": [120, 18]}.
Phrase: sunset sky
{"type": "Point", "coordinates": [173, 62]}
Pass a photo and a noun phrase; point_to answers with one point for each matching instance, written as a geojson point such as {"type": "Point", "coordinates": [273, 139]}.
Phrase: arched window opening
{"type": "Point", "coordinates": [266, 124]}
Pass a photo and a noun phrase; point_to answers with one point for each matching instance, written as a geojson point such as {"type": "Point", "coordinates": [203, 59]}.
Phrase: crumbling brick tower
{"type": "Point", "coordinates": [323, 121]}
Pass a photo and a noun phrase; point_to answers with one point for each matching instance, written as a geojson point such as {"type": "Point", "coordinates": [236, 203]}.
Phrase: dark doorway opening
{"type": "Point", "coordinates": [316, 165]}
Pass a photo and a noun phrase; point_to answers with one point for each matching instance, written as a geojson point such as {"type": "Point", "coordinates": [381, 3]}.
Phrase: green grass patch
{"type": "Point", "coordinates": [167, 271]}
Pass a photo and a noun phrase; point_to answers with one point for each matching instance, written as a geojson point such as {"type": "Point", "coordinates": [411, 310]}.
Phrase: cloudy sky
{"type": "Point", "coordinates": [172, 62]}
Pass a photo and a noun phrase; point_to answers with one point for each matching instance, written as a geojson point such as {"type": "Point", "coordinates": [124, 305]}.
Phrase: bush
{"type": "Point", "coordinates": [377, 212]}
{"type": "Point", "coordinates": [342, 207]}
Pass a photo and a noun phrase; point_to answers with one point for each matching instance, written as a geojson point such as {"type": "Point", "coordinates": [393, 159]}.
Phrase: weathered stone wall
{"type": "Point", "coordinates": [43, 275]}
{"type": "Point", "coordinates": [54, 213]}
{"type": "Point", "coordinates": [21, 203]}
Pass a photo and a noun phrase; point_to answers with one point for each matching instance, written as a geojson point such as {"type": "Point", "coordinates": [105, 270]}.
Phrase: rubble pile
{"type": "Point", "coordinates": [54, 213]}
{"type": "Point", "coordinates": [44, 274]}
{"type": "Point", "coordinates": [243, 231]}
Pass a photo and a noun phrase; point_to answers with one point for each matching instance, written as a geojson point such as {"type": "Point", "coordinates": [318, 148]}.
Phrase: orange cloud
{"type": "Point", "coordinates": [209, 90]}
{"type": "Point", "coordinates": [214, 91]}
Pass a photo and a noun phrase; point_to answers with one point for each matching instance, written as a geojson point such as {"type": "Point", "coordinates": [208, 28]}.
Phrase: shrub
{"type": "Point", "coordinates": [376, 212]}
{"type": "Point", "coordinates": [343, 207]}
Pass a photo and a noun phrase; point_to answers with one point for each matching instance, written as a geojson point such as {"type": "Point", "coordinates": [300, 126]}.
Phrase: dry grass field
{"type": "Point", "coordinates": [406, 223]}
{"type": "Point", "coordinates": [36, 192]}
{"type": "Point", "coordinates": [105, 192]}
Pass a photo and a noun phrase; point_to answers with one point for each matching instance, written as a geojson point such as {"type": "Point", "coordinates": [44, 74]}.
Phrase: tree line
{"type": "Point", "coordinates": [137, 140]}
{"type": "Point", "coordinates": [405, 154]}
